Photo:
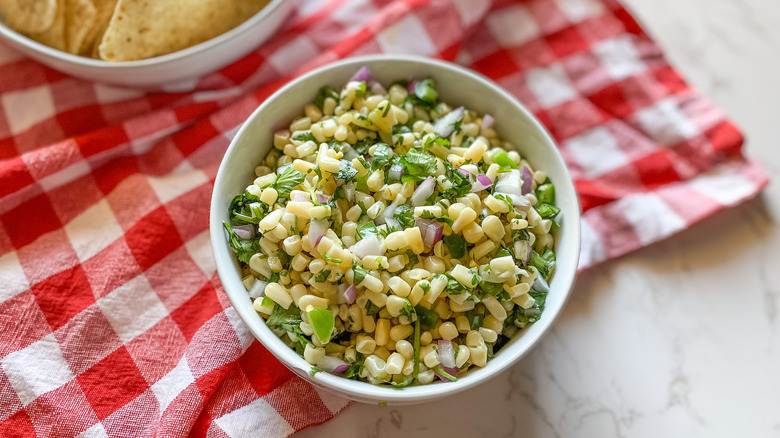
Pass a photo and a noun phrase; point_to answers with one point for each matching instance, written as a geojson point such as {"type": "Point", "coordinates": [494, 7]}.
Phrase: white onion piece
{"type": "Point", "coordinates": [510, 182]}
{"type": "Point", "coordinates": [317, 229]}
{"type": "Point", "coordinates": [258, 289]}
{"type": "Point", "coordinates": [370, 246]}
{"type": "Point", "coordinates": [528, 180]}
{"type": "Point", "coordinates": [386, 214]}
{"type": "Point", "coordinates": [349, 191]}
{"type": "Point", "coordinates": [362, 75]}
{"type": "Point", "coordinates": [487, 122]}
{"type": "Point", "coordinates": [423, 192]}
{"type": "Point", "coordinates": [446, 125]}
{"type": "Point", "coordinates": [244, 231]}
{"type": "Point", "coordinates": [393, 223]}
{"type": "Point", "coordinates": [517, 200]}
{"type": "Point", "coordinates": [299, 196]}
{"type": "Point", "coordinates": [481, 183]}
{"type": "Point", "coordinates": [376, 87]}
{"type": "Point", "coordinates": [446, 353]}
{"type": "Point", "coordinates": [540, 284]}
{"type": "Point", "coordinates": [350, 155]}
{"type": "Point", "coordinates": [331, 364]}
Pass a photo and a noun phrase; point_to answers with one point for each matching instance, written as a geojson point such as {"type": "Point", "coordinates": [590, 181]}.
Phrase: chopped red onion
{"type": "Point", "coordinates": [481, 183]}
{"type": "Point", "coordinates": [451, 371]}
{"type": "Point", "coordinates": [410, 86]}
{"type": "Point", "coordinates": [446, 125]}
{"type": "Point", "coordinates": [322, 199]}
{"type": "Point", "coordinates": [370, 246]}
{"type": "Point", "coordinates": [446, 354]}
{"type": "Point", "coordinates": [244, 231]}
{"type": "Point", "coordinates": [423, 192]}
{"type": "Point", "coordinates": [317, 229]}
{"type": "Point", "coordinates": [362, 75]}
{"type": "Point", "coordinates": [347, 293]}
{"type": "Point", "coordinates": [258, 289]}
{"type": "Point", "coordinates": [431, 231]}
{"type": "Point", "coordinates": [464, 172]}
{"type": "Point", "coordinates": [487, 122]}
{"type": "Point", "coordinates": [332, 365]}
{"type": "Point", "coordinates": [528, 180]}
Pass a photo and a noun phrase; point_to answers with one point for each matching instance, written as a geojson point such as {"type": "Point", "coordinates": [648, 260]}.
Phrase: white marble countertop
{"type": "Point", "coordinates": [681, 339]}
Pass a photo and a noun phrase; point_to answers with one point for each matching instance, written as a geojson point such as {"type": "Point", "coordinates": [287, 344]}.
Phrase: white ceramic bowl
{"type": "Point", "coordinates": [456, 86]}
{"type": "Point", "coordinates": [190, 63]}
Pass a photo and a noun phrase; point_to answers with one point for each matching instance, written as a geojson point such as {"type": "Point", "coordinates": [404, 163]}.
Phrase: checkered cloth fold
{"type": "Point", "coordinates": [112, 319]}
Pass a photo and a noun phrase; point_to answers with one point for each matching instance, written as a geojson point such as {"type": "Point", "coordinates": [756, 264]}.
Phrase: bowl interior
{"type": "Point", "coordinates": [457, 86]}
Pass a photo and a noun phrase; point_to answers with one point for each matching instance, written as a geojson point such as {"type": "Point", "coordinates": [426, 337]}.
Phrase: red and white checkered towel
{"type": "Point", "coordinates": [112, 319]}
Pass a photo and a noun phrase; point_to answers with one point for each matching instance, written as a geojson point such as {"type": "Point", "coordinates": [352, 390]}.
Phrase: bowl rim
{"type": "Point", "coordinates": [167, 58]}
{"type": "Point", "coordinates": [367, 391]}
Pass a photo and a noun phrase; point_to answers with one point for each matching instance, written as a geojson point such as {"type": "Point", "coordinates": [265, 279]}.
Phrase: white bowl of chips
{"type": "Point", "coordinates": [139, 43]}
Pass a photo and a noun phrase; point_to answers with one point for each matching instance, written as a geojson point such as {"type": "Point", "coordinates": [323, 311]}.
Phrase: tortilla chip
{"type": "Point", "coordinates": [29, 16]}
{"type": "Point", "coordinates": [79, 20]}
{"type": "Point", "coordinates": [105, 9]}
{"type": "Point", "coordinates": [54, 36]}
{"type": "Point", "coordinates": [143, 28]}
{"type": "Point", "coordinates": [247, 8]}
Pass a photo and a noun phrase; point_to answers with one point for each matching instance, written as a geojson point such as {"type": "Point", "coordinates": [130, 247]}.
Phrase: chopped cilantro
{"type": "Point", "coordinates": [287, 180]}
{"type": "Point", "coordinates": [428, 318]}
{"type": "Point", "coordinates": [240, 211]}
{"type": "Point", "coordinates": [360, 274]}
{"type": "Point", "coordinates": [322, 277]}
{"type": "Point", "coordinates": [288, 319]}
{"type": "Point", "coordinates": [544, 262]}
{"type": "Point", "coordinates": [347, 171]}
{"type": "Point", "coordinates": [405, 215]}
{"type": "Point", "coordinates": [245, 248]}
{"type": "Point", "coordinates": [443, 218]}
{"type": "Point", "coordinates": [418, 165]}
{"type": "Point", "coordinates": [460, 183]}
{"type": "Point", "coordinates": [324, 93]}
{"type": "Point", "coordinates": [331, 259]}
{"type": "Point", "coordinates": [314, 370]}
{"type": "Point", "coordinates": [371, 308]}
{"type": "Point", "coordinates": [456, 244]}
{"type": "Point", "coordinates": [381, 156]}
{"type": "Point", "coordinates": [305, 136]}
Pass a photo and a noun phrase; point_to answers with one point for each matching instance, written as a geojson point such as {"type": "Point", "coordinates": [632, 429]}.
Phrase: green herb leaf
{"type": "Point", "coordinates": [544, 263]}
{"type": "Point", "coordinates": [460, 183]}
{"type": "Point", "coordinates": [288, 319]}
{"type": "Point", "coordinates": [405, 215]}
{"type": "Point", "coordinates": [445, 374]}
{"type": "Point", "coordinates": [381, 156]}
{"type": "Point", "coordinates": [371, 308]}
{"type": "Point", "coordinates": [425, 90]}
{"type": "Point", "coordinates": [367, 229]}
{"type": "Point", "coordinates": [507, 200]}
{"type": "Point", "coordinates": [362, 146]}
{"type": "Point", "coordinates": [347, 171]}
{"type": "Point", "coordinates": [453, 286]}
{"type": "Point", "coordinates": [314, 370]}
{"type": "Point", "coordinates": [418, 165]}
{"type": "Point", "coordinates": [304, 136]}
{"type": "Point", "coordinates": [245, 249]}
{"type": "Point", "coordinates": [491, 288]}
{"type": "Point", "coordinates": [322, 277]}
{"type": "Point", "coordinates": [287, 180]}
{"type": "Point", "coordinates": [456, 244]}
{"type": "Point", "coordinates": [323, 94]}
{"type": "Point", "coordinates": [361, 90]}
{"type": "Point", "coordinates": [428, 318]}
{"type": "Point", "coordinates": [443, 218]}
{"type": "Point", "coordinates": [331, 259]}
{"type": "Point", "coordinates": [359, 274]}
{"type": "Point", "coordinates": [413, 259]}
{"type": "Point", "coordinates": [240, 210]}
